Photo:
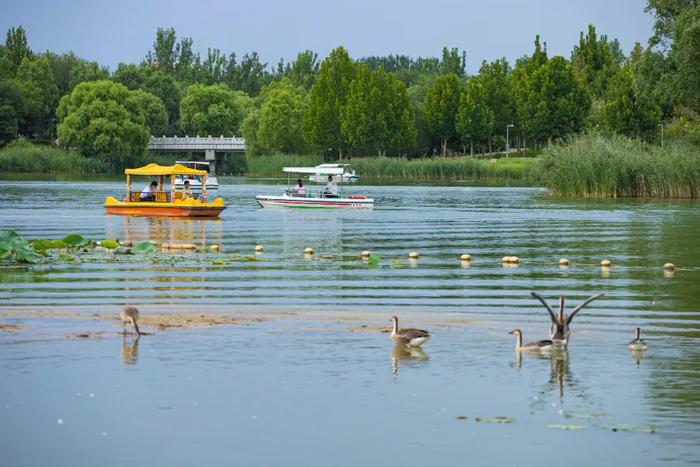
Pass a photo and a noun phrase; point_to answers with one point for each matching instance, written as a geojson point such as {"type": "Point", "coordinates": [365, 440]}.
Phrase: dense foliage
{"type": "Point", "coordinates": [394, 106]}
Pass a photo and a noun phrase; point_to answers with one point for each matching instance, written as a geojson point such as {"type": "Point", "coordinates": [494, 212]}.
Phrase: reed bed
{"type": "Point", "coordinates": [593, 165]}
{"type": "Point", "coordinates": [24, 157]}
{"type": "Point", "coordinates": [390, 168]}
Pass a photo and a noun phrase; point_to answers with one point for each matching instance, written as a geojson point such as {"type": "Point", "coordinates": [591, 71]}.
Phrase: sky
{"type": "Point", "coordinates": [113, 31]}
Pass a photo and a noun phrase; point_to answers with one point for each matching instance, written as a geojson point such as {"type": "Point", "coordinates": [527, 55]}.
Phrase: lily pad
{"type": "Point", "coordinates": [374, 261]}
{"type": "Point", "coordinates": [555, 426]}
{"type": "Point", "coordinates": [628, 427]}
{"type": "Point", "coordinates": [397, 263]}
{"type": "Point", "coordinates": [109, 244]}
{"type": "Point", "coordinates": [583, 415]}
{"type": "Point", "coordinates": [495, 419]}
{"type": "Point", "coordinates": [74, 240]}
{"type": "Point", "coordinates": [144, 247]}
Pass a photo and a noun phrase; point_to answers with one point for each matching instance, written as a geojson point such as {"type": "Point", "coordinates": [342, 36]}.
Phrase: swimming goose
{"type": "Point", "coordinates": [130, 314]}
{"type": "Point", "coordinates": [560, 329]}
{"type": "Point", "coordinates": [408, 336]}
{"type": "Point", "coordinates": [637, 344]}
{"type": "Point", "coordinates": [530, 346]}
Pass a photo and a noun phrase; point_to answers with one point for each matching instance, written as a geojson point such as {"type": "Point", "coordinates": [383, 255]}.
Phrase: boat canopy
{"type": "Point", "coordinates": [155, 169]}
{"type": "Point", "coordinates": [314, 170]}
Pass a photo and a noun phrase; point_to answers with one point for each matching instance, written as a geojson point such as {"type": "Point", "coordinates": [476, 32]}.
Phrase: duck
{"type": "Point", "coordinates": [130, 314]}
{"type": "Point", "coordinates": [408, 336]}
{"type": "Point", "coordinates": [637, 344]}
{"type": "Point", "coordinates": [530, 346]}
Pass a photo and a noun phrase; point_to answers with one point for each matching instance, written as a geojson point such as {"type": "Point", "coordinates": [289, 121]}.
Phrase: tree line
{"type": "Point", "coordinates": [393, 105]}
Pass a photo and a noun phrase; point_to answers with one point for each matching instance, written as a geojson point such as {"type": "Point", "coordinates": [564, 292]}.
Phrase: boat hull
{"type": "Point", "coordinates": [314, 203]}
{"type": "Point", "coordinates": [188, 208]}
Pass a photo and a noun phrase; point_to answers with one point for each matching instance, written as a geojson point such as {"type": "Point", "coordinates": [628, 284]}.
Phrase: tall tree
{"type": "Point", "coordinates": [280, 117]}
{"type": "Point", "coordinates": [170, 56]}
{"type": "Point", "coordinates": [35, 79]}
{"type": "Point", "coordinates": [595, 60]}
{"type": "Point", "coordinates": [522, 84]}
{"type": "Point", "coordinates": [440, 109]}
{"type": "Point", "coordinates": [12, 110]}
{"type": "Point", "coordinates": [327, 99]}
{"type": "Point", "coordinates": [17, 48]}
{"type": "Point", "coordinates": [628, 112]}
{"type": "Point", "coordinates": [475, 119]}
{"type": "Point", "coordinates": [211, 110]}
{"type": "Point", "coordinates": [453, 62]}
{"type": "Point", "coordinates": [304, 69]}
{"type": "Point", "coordinates": [498, 95]}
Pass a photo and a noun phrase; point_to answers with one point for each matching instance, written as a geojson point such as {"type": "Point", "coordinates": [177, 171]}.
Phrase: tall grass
{"type": "Point", "coordinates": [24, 157]}
{"type": "Point", "coordinates": [438, 168]}
{"type": "Point", "coordinates": [593, 165]}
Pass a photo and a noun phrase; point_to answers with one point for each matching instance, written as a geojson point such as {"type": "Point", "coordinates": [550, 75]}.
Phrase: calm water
{"type": "Point", "coordinates": [304, 393]}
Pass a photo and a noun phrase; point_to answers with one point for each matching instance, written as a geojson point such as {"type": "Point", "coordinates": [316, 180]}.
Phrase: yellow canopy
{"type": "Point", "coordinates": [155, 169]}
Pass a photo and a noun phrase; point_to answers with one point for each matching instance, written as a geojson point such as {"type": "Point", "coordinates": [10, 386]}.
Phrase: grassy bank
{"type": "Point", "coordinates": [24, 157]}
{"type": "Point", "coordinates": [388, 168]}
{"type": "Point", "coordinates": [593, 165]}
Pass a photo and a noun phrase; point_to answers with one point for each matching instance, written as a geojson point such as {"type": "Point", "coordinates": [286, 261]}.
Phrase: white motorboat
{"type": "Point", "coordinates": [314, 197]}
{"type": "Point", "coordinates": [322, 172]}
{"type": "Point", "coordinates": [195, 181]}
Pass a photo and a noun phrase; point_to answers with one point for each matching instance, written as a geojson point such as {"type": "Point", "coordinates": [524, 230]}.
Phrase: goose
{"type": "Point", "coordinates": [637, 344]}
{"type": "Point", "coordinates": [560, 329]}
{"type": "Point", "coordinates": [130, 314]}
{"type": "Point", "coordinates": [530, 346]}
{"type": "Point", "coordinates": [408, 336]}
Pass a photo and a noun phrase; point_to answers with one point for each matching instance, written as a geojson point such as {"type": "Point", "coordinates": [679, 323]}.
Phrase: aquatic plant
{"type": "Point", "coordinates": [594, 165]}
{"type": "Point", "coordinates": [16, 249]}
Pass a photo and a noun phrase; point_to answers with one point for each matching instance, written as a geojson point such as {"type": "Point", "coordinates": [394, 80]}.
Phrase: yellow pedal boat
{"type": "Point", "coordinates": [159, 202]}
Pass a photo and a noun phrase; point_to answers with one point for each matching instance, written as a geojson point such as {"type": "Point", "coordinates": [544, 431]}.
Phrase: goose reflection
{"type": "Point", "coordinates": [130, 349]}
{"type": "Point", "coordinates": [637, 355]}
{"type": "Point", "coordinates": [412, 356]}
{"type": "Point", "coordinates": [560, 377]}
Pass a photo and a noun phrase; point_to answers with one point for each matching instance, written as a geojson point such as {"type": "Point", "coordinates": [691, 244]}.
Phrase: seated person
{"type": "Point", "coordinates": [186, 192]}
{"type": "Point", "coordinates": [149, 192]}
{"type": "Point", "coordinates": [331, 189]}
{"type": "Point", "coordinates": [299, 189]}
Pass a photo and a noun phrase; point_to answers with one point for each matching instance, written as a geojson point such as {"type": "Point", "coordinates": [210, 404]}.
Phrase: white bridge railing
{"type": "Point", "coordinates": [196, 143]}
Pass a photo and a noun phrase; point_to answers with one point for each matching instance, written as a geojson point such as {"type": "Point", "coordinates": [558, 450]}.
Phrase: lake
{"type": "Point", "coordinates": [313, 381]}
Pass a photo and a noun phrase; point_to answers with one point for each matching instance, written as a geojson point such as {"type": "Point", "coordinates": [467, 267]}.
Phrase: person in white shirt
{"type": "Point", "coordinates": [186, 192]}
{"type": "Point", "coordinates": [299, 189]}
{"type": "Point", "coordinates": [149, 192]}
{"type": "Point", "coordinates": [331, 189]}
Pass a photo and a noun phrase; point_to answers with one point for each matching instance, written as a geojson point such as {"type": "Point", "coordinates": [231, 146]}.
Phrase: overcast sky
{"type": "Point", "coordinates": [113, 31]}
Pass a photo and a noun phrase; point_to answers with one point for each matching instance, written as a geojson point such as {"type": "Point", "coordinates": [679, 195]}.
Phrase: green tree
{"type": "Point", "coordinates": [595, 60]}
{"type": "Point", "coordinates": [522, 85]}
{"type": "Point", "coordinates": [627, 112]}
{"type": "Point", "coordinates": [327, 99]}
{"type": "Point", "coordinates": [249, 130]}
{"type": "Point", "coordinates": [170, 56]}
{"type": "Point", "coordinates": [498, 95]}
{"type": "Point", "coordinates": [12, 110]}
{"type": "Point", "coordinates": [304, 69]}
{"type": "Point", "coordinates": [475, 119]}
{"type": "Point", "coordinates": [453, 62]}
{"type": "Point", "coordinates": [17, 48]}
{"type": "Point", "coordinates": [154, 112]}
{"type": "Point", "coordinates": [103, 120]}
{"type": "Point", "coordinates": [211, 110]}
{"type": "Point", "coordinates": [35, 79]}
{"type": "Point", "coordinates": [280, 117]}
{"type": "Point", "coordinates": [685, 54]}
{"type": "Point", "coordinates": [378, 114]}
{"type": "Point", "coordinates": [70, 70]}
{"type": "Point", "coordinates": [440, 109]}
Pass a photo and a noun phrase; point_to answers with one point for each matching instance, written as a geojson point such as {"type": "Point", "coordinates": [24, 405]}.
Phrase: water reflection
{"type": "Point", "coordinates": [560, 377]}
{"type": "Point", "coordinates": [201, 232]}
{"type": "Point", "coordinates": [413, 356]}
{"type": "Point", "coordinates": [130, 349]}
{"type": "Point", "coordinates": [637, 355]}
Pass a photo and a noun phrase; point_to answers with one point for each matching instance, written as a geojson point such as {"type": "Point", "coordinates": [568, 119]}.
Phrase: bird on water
{"type": "Point", "coordinates": [408, 336]}
{"type": "Point", "coordinates": [637, 344]}
{"type": "Point", "coordinates": [530, 346]}
{"type": "Point", "coordinates": [130, 314]}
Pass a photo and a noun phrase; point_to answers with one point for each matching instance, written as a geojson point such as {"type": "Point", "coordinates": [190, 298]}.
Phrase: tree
{"type": "Point", "coordinates": [475, 119]}
{"type": "Point", "coordinates": [452, 62]}
{"type": "Point", "coordinates": [521, 84]}
{"type": "Point", "coordinates": [12, 110]}
{"type": "Point", "coordinates": [280, 117]}
{"type": "Point", "coordinates": [327, 98]}
{"type": "Point", "coordinates": [378, 115]}
{"type": "Point", "coordinates": [498, 97]}
{"type": "Point", "coordinates": [103, 120]}
{"type": "Point", "coordinates": [211, 110]}
{"type": "Point", "coordinates": [154, 112]}
{"type": "Point", "coordinates": [685, 54]}
{"type": "Point", "coordinates": [169, 56]}
{"type": "Point", "coordinates": [17, 48]}
{"type": "Point", "coordinates": [595, 60]}
{"type": "Point", "coordinates": [304, 69]}
{"type": "Point", "coordinates": [70, 70]}
{"type": "Point", "coordinates": [627, 112]}
{"type": "Point", "coordinates": [557, 103]}
{"type": "Point", "coordinates": [440, 109]}
{"type": "Point", "coordinates": [35, 79]}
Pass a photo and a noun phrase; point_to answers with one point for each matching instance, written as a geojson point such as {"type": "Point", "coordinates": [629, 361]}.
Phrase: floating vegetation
{"type": "Point", "coordinates": [397, 263]}
{"type": "Point", "coordinates": [144, 247]}
{"type": "Point", "coordinates": [16, 249]}
{"type": "Point", "coordinates": [109, 244]}
{"type": "Point", "coordinates": [374, 261]}
{"type": "Point", "coordinates": [555, 426]}
{"type": "Point", "coordinates": [631, 427]}
{"type": "Point", "coordinates": [495, 419]}
{"type": "Point", "coordinates": [583, 415]}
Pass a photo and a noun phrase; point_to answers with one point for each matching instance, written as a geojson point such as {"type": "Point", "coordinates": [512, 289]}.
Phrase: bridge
{"type": "Point", "coordinates": [211, 146]}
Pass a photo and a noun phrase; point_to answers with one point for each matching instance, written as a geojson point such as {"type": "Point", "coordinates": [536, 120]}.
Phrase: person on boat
{"type": "Point", "coordinates": [299, 189]}
{"type": "Point", "coordinates": [149, 192]}
{"type": "Point", "coordinates": [186, 192]}
{"type": "Point", "coordinates": [331, 189]}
